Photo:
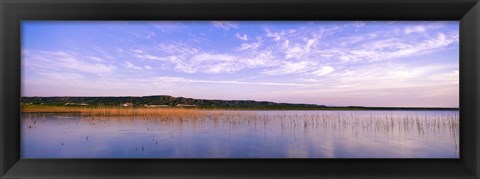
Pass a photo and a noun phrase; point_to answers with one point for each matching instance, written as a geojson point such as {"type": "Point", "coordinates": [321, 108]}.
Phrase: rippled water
{"type": "Point", "coordinates": [245, 134]}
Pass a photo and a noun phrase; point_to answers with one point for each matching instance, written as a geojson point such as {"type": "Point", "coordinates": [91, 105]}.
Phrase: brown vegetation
{"type": "Point", "coordinates": [113, 111]}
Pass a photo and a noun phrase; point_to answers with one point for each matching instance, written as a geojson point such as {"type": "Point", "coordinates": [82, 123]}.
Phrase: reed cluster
{"type": "Point", "coordinates": [114, 111]}
{"type": "Point", "coordinates": [373, 122]}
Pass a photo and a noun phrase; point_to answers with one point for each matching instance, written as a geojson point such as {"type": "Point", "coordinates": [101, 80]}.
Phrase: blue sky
{"type": "Point", "coordinates": [368, 63]}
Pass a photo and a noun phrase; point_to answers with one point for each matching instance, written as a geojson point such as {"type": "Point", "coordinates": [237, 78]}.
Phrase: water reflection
{"type": "Point", "coordinates": [245, 134]}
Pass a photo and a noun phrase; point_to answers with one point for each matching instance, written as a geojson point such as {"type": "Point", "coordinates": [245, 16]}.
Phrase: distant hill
{"type": "Point", "coordinates": [170, 101]}
{"type": "Point", "coordinates": [164, 101]}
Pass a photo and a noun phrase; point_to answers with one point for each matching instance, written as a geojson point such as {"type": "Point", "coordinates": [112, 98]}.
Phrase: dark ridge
{"type": "Point", "coordinates": [170, 101]}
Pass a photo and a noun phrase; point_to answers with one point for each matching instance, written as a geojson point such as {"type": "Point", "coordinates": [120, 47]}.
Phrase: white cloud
{"type": "Point", "coordinates": [166, 27]}
{"type": "Point", "coordinates": [183, 57]}
{"type": "Point", "coordinates": [313, 80]}
{"type": "Point", "coordinates": [176, 48]}
{"type": "Point", "coordinates": [323, 71]}
{"type": "Point", "coordinates": [150, 57]}
{"type": "Point", "coordinates": [452, 76]}
{"type": "Point", "coordinates": [300, 51]}
{"type": "Point", "coordinates": [96, 59]}
{"type": "Point", "coordinates": [291, 68]}
{"type": "Point", "coordinates": [137, 50]}
{"type": "Point", "coordinates": [395, 48]}
{"type": "Point", "coordinates": [274, 35]}
{"type": "Point", "coordinates": [225, 25]}
{"type": "Point", "coordinates": [210, 63]}
{"type": "Point", "coordinates": [132, 66]}
{"type": "Point", "coordinates": [427, 46]}
{"type": "Point", "coordinates": [150, 35]}
{"type": "Point", "coordinates": [184, 80]}
{"type": "Point", "coordinates": [249, 46]}
{"type": "Point", "coordinates": [62, 61]}
{"type": "Point", "coordinates": [104, 53]}
{"type": "Point", "coordinates": [279, 35]}
{"type": "Point", "coordinates": [300, 68]}
{"type": "Point", "coordinates": [60, 76]}
{"type": "Point", "coordinates": [361, 65]}
{"type": "Point", "coordinates": [263, 58]}
{"type": "Point", "coordinates": [350, 40]}
{"type": "Point", "coordinates": [244, 37]}
{"type": "Point", "coordinates": [415, 29]}
{"type": "Point", "coordinates": [119, 50]}
{"type": "Point", "coordinates": [391, 76]}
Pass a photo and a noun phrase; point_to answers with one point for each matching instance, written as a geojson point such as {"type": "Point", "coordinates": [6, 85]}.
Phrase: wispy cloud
{"type": "Point", "coordinates": [216, 63]}
{"type": "Point", "coordinates": [250, 46]}
{"type": "Point", "coordinates": [323, 71]}
{"type": "Point", "coordinates": [291, 68]}
{"type": "Point", "coordinates": [391, 48]}
{"type": "Point", "coordinates": [225, 25]}
{"type": "Point", "coordinates": [415, 29]}
{"type": "Point", "coordinates": [62, 61]}
{"type": "Point", "coordinates": [184, 80]}
{"type": "Point", "coordinates": [241, 37]}
{"type": "Point", "coordinates": [132, 66]}
{"type": "Point", "coordinates": [167, 27]}
{"type": "Point", "coordinates": [353, 63]}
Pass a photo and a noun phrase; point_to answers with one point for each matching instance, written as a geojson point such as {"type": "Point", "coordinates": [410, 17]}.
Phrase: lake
{"type": "Point", "coordinates": [245, 134]}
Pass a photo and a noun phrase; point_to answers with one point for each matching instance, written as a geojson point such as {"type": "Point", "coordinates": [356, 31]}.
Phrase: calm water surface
{"type": "Point", "coordinates": [245, 134]}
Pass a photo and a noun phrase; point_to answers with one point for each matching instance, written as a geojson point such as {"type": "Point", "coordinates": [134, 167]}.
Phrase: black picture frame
{"type": "Point", "coordinates": [12, 12]}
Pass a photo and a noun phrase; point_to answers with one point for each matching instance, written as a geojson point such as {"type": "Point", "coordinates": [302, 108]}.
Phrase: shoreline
{"type": "Point", "coordinates": [143, 111]}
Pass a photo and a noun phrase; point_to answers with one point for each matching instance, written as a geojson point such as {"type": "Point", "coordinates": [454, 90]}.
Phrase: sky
{"type": "Point", "coordinates": [336, 63]}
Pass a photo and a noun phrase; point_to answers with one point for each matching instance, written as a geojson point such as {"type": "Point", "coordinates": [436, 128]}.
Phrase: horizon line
{"type": "Point", "coordinates": [257, 101]}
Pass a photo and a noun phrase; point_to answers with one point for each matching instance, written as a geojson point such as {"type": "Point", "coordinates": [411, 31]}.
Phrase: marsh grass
{"type": "Point", "coordinates": [394, 123]}
{"type": "Point", "coordinates": [114, 111]}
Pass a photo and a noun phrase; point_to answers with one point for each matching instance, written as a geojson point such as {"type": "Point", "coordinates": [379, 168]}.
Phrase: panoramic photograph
{"type": "Point", "coordinates": [239, 89]}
